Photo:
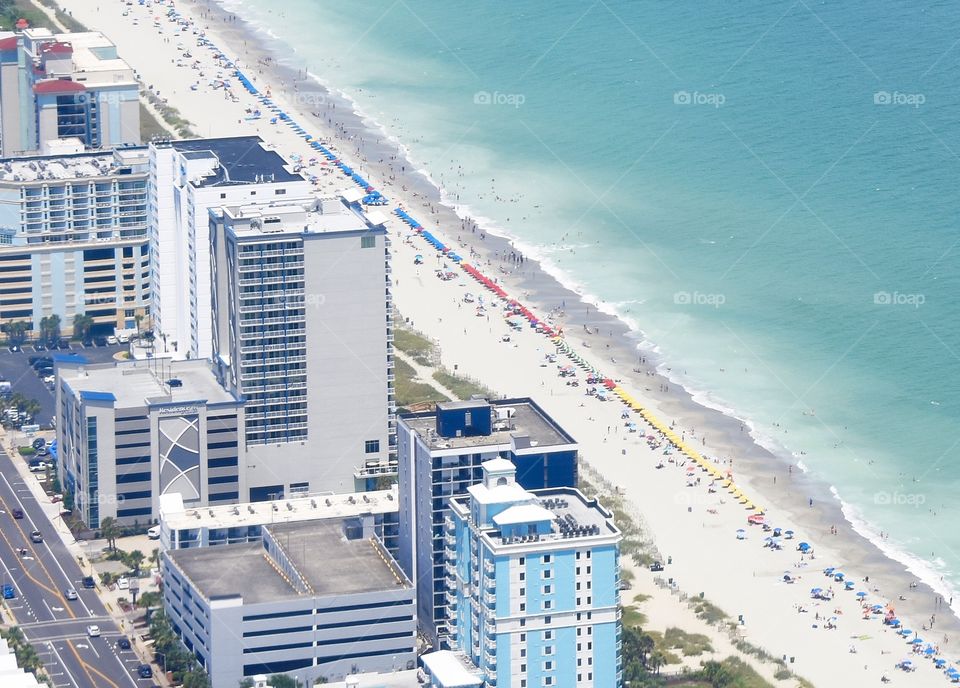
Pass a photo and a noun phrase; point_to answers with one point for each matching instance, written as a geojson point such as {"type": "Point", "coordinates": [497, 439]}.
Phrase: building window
{"type": "Point", "coordinates": [547, 619]}
{"type": "Point", "coordinates": [548, 666]}
{"type": "Point", "coordinates": [548, 635]}
{"type": "Point", "coordinates": [523, 652]}
{"type": "Point", "coordinates": [523, 608]}
{"type": "Point", "coordinates": [371, 446]}
{"type": "Point", "coordinates": [547, 604]}
{"type": "Point", "coordinates": [546, 558]}
{"type": "Point", "coordinates": [546, 589]}
{"type": "Point", "coordinates": [368, 241]}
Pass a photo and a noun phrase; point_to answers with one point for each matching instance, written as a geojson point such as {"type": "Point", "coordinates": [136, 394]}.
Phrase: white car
{"type": "Point", "coordinates": [123, 583]}
{"type": "Point", "coordinates": [154, 533]}
{"type": "Point", "coordinates": [93, 631]}
{"type": "Point", "coordinates": [111, 340]}
{"type": "Point", "coordinates": [70, 594]}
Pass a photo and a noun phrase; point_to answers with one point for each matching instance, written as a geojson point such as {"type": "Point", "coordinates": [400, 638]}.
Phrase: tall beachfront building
{"type": "Point", "coordinates": [187, 179]}
{"type": "Point", "coordinates": [65, 85]}
{"type": "Point", "coordinates": [302, 332]}
{"type": "Point", "coordinates": [73, 237]}
{"type": "Point", "coordinates": [533, 581]}
{"type": "Point", "coordinates": [440, 455]}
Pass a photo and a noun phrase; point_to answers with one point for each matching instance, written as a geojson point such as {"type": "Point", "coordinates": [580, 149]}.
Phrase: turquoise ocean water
{"type": "Point", "coordinates": [769, 187]}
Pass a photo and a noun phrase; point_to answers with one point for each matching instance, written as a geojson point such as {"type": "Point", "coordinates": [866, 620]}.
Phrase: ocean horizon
{"type": "Point", "coordinates": [765, 193]}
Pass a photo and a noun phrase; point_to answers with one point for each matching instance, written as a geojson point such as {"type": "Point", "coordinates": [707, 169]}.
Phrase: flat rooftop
{"type": "Point", "coordinates": [528, 420]}
{"type": "Point", "coordinates": [243, 160]}
{"type": "Point", "coordinates": [281, 511]}
{"type": "Point", "coordinates": [80, 166]}
{"type": "Point", "coordinates": [574, 516]}
{"type": "Point", "coordinates": [397, 679]}
{"type": "Point", "coordinates": [143, 383]}
{"type": "Point", "coordinates": [331, 564]}
{"type": "Point", "coordinates": [300, 216]}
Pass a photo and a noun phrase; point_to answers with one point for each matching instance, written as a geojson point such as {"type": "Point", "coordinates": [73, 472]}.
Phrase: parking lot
{"type": "Point", "coordinates": [15, 367]}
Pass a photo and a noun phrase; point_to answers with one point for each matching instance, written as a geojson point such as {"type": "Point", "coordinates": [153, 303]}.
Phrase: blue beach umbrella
{"type": "Point", "coordinates": [829, 571]}
{"type": "Point", "coordinates": [917, 641]}
{"type": "Point", "coordinates": [861, 594]}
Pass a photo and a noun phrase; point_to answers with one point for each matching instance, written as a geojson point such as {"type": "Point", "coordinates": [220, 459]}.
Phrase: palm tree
{"type": "Point", "coordinates": [50, 328]}
{"type": "Point", "coordinates": [657, 660]}
{"type": "Point", "coordinates": [82, 324]}
{"type": "Point", "coordinates": [135, 560]}
{"type": "Point", "coordinates": [16, 331]}
{"type": "Point", "coordinates": [110, 531]}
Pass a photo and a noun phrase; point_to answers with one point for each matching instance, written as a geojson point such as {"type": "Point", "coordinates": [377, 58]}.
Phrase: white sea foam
{"type": "Point", "coordinates": [933, 574]}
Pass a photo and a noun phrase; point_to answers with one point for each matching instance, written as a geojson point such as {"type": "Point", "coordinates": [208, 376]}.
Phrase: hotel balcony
{"type": "Point", "coordinates": [450, 540]}
{"type": "Point", "coordinates": [448, 524]}
{"type": "Point", "coordinates": [489, 658]}
{"type": "Point", "coordinates": [451, 569]}
{"type": "Point", "coordinates": [489, 568]}
{"type": "Point", "coordinates": [490, 599]}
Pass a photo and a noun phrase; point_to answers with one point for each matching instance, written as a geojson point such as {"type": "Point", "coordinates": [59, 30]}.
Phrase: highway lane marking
{"type": "Point", "coordinates": [49, 551]}
{"type": "Point", "coordinates": [88, 668]}
{"type": "Point", "coordinates": [56, 622]}
{"type": "Point", "coordinates": [73, 681]}
{"type": "Point", "coordinates": [55, 593]}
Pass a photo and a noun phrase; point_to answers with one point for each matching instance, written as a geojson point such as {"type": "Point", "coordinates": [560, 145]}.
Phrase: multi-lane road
{"type": "Point", "coordinates": [56, 626]}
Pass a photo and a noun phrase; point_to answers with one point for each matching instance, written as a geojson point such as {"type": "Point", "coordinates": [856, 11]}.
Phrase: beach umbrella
{"type": "Point", "coordinates": [895, 623]}
{"type": "Point", "coordinates": [928, 651]}
{"type": "Point", "coordinates": [816, 591]}
{"type": "Point", "coordinates": [861, 594]}
{"type": "Point", "coordinates": [939, 662]}
{"type": "Point", "coordinates": [829, 571]}
{"type": "Point", "coordinates": [917, 641]}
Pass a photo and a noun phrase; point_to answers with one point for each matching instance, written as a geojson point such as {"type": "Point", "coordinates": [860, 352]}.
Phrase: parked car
{"type": "Point", "coordinates": [38, 466]}
{"type": "Point", "coordinates": [17, 513]}
{"type": "Point", "coordinates": [63, 344]}
{"type": "Point", "coordinates": [656, 566]}
{"type": "Point", "coordinates": [70, 594]}
{"type": "Point", "coordinates": [111, 340]}
{"type": "Point", "coordinates": [123, 643]}
{"type": "Point", "coordinates": [154, 533]}
{"type": "Point", "coordinates": [88, 582]}
{"type": "Point", "coordinates": [93, 631]}
{"type": "Point", "coordinates": [36, 536]}
{"type": "Point", "coordinates": [100, 341]}
{"type": "Point", "coordinates": [15, 349]}
{"type": "Point", "coordinates": [8, 591]}
{"type": "Point", "coordinates": [39, 346]}
{"type": "Point", "coordinates": [41, 362]}
{"type": "Point", "coordinates": [144, 671]}
{"type": "Point", "coordinates": [123, 583]}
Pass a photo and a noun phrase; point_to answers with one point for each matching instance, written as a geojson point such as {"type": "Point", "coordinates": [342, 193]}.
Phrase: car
{"type": "Point", "coordinates": [154, 533]}
{"type": "Point", "coordinates": [123, 583]}
{"type": "Point", "coordinates": [46, 371]}
{"type": "Point", "coordinates": [8, 591]}
{"type": "Point", "coordinates": [656, 566]}
{"type": "Point", "coordinates": [144, 671]}
{"type": "Point", "coordinates": [36, 536]}
{"type": "Point", "coordinates": [17, 513]}
{"type": "Point", "coordinates": [88, 582]}
{"type": "Point", "coordinates": [111, 340]}
{"type": "Point", "coordinates": [14, 349]}
{"type": "Point", "coordinates": [56, 499]}
{"type": "Point", "coordinates": [38, 466]}
{"type": "Point", "coordinates": [49, 379]}
{"type": "Point", "coordinates": [87, 341]}
{"type": "Point", "coordinates": [70, 594]}
{"type": "Point", "coordinates": [93, 631]}
{"type": "Point", "coordinates": [41, 362]}
{"type": "Point", "coordinates": [175, 382]}
{"type": "Point", "coordinates": [123, 643]}
{"type": "Point", "coordinates": [63, 344]}
{"type": "Point", "coordinates": [39, 346]}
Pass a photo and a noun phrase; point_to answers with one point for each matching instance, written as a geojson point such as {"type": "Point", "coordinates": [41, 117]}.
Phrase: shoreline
{"type": "Point", "coordinates": [546, 292]}
{"type": "Point", "coordinates": [755, 466]}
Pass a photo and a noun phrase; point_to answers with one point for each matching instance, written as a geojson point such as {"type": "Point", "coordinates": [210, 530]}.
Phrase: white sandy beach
{"type": "Point", "coordinates": [691, 525]}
